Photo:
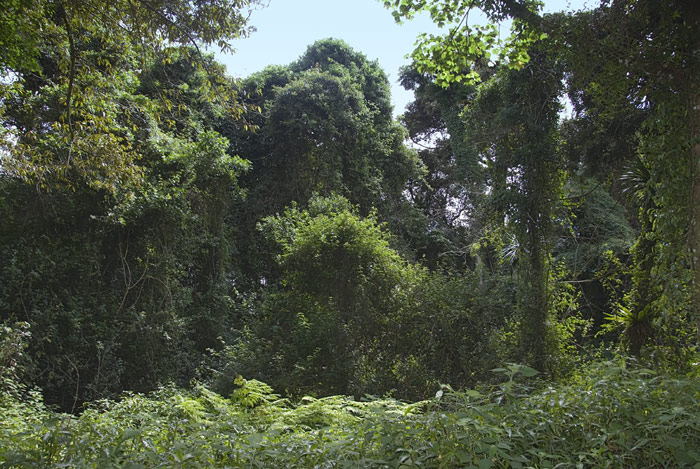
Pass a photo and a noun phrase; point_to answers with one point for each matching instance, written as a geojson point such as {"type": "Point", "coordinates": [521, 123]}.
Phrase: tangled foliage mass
{"type": "Point", "coordinates": [176, 243]}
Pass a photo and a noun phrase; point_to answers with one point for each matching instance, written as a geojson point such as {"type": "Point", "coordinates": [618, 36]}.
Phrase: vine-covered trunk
{"type": "Point", "coordinates": [694, 241]}
{"type": "Point", "coordinates": [536, 284]}
{"type": "Point", "coordinates": [693, 105]}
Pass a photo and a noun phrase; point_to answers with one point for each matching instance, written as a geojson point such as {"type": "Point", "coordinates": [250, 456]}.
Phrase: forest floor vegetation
{"type": "Point", "coordinates": [611, 414]}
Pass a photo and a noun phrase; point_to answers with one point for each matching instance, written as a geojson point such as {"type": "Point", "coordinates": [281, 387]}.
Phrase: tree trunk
{"type": "Point", "coordinates": [694, 235]}
{"type": "Point", "coordinates": [537, 297]}
{"type": "Point", "coordinates": [692, 17]}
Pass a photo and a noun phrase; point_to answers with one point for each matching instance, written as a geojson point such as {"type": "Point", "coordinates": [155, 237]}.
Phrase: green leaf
{"type": "Point", "coordinates": [527, 371]}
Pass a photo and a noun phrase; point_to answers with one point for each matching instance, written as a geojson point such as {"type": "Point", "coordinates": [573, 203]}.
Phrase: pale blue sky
{"type": "Point", "coordinates": [286, 27]}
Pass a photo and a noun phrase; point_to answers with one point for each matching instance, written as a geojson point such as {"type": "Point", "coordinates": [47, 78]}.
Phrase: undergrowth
{"type": "Point", "coordinates": [609, 416]}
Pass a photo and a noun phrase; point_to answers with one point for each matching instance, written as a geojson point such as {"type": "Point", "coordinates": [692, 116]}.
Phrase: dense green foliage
{"type": "Point", "coordinates": [110, 279]}
{"type": "Point", "coordinates": [325, 127]}
{"type": "Point", "coordinates": [631, 73]}
{"type": "Point", "coordinates": [176, 244]}
{"type": "Point", "coordinates": [67, 67]}
{"type": "Point", "coordinates": [374, 324]}
{"type": "Point", "coordinates": [607, 416]}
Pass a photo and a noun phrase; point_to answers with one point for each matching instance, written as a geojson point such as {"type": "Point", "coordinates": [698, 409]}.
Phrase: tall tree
{"type": "Point", "coordinates": [68, 59]}
{"type": "Point", "coordinates": [513, 126]}
{"type": "Point", "coordinates": [326, 127]}
{"type": "Point", "coordinates": [647, 57]}
{"type": "Point", "coordinates": [125, 284]}
{"type": "Point", "coordinates": [450, 193]}
{"type": "Point", "coordinates": [645, 64]}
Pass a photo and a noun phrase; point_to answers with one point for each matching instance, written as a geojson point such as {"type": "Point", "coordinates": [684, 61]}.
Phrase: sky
{"type": "Point", "coordinates": [286, 27]}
